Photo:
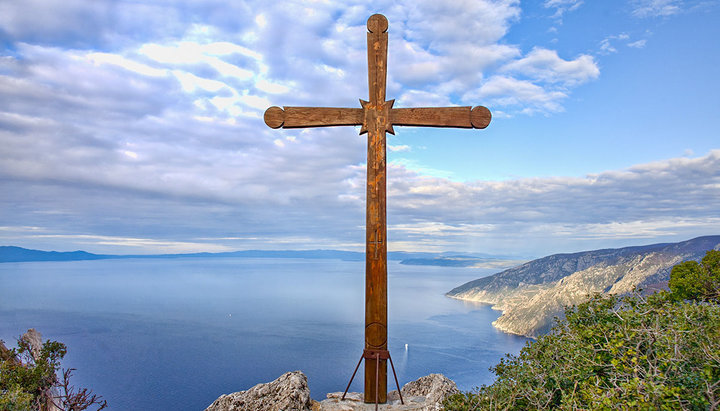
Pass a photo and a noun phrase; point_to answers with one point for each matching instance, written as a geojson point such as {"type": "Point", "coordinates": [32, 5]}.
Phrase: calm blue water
{"type": "Point", "coordinates": [174, 334]}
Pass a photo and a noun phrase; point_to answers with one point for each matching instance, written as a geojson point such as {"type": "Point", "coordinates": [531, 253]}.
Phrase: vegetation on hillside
{"type": "Point", "coordinates": [29, 378]}
{"type": "Point", "coordinates": [691, 280]}
{"type": "Point", "coordinates": [656, 352]}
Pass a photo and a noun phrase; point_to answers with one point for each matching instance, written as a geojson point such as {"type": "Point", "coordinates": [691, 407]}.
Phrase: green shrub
{"type": "Point", "coordinates": [29, 379]}
{"type": "Point", "coordinates": [657, 352]}
{"type": "Point", "coordinates": [692, 281]}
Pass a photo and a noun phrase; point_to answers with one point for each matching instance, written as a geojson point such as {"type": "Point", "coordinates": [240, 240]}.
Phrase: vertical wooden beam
{"type": "Point", "coordinates": [377, 43]}
{"type": "Point", "coordinates": [376, 121]}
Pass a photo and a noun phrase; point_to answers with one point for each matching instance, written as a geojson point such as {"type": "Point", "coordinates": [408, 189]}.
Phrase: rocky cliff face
{"type": "Point", "coordinates": [532, 294]}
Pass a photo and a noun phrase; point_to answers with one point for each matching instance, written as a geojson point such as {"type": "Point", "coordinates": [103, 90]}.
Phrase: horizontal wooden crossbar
{"type": "Point", "coordinates": [300, 117]}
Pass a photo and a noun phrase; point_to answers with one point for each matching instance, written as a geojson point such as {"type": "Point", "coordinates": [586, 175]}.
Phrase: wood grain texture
{"type": "Point", "coordinates": [377, 43]}
{"type": "Point", "coordinates": [377, 23]}
{"type": "Point", "coordinates": [457, 117]}
{"type": "Point", "coordinates": [376, 121]}
{"type": "Point", "coordinates": [480, 117]}
{"type": "Point", "coordinates": [376, 262]}
{"type": "Point", "coordinates": [274, 117]}
{"type": "Point", "coordinates": [297, 117]}
{"type": "Point", "coordinates": [432, 117]}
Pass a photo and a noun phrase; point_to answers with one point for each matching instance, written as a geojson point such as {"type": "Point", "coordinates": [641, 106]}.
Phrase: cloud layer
{"type": "Point", "coordinates": [664, 199]}
{"type": "Point", "coordinates": [138, 126]}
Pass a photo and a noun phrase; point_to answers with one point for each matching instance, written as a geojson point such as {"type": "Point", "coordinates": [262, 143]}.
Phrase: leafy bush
{"type": "Point", "coordinates": [660, 352]}
{"type": "Point", "coordinates": [692, 281]}
{"type": "Point", "coordinates": [29, 380]}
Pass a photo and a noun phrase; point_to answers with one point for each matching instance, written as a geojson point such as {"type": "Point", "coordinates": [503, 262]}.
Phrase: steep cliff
{"type": "Point", "coordinates": [532, 294]}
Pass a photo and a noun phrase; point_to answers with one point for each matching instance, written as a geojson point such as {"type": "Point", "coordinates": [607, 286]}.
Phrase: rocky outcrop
{"type": "Point", "coordinates": [434, 387]}
{"type": "Point", "coordinates": [354, 402]}
{"type": "Point", "coordinates": [290, 392]}
{"type": "Point", "coordinates": [532, 294]}
{"type": "Point", "coordinates": [424, 394]}
{"type": "Point", "coordinates": [34, 340]}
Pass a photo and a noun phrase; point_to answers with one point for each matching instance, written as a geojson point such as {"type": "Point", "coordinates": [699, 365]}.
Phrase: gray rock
{"type": "Point", "coordinates": [34, 339]}
{"type": "Point", "coordinates": [434, 387]}
{"type": "Point", "coordinates": [290, 392]}
{"type": "Point", "coordinates": [424, 394]}
{"type": "Point", "coordinates": [354, 402]}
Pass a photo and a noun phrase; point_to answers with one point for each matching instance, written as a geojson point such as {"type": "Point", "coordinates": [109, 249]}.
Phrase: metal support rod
{"type": "Point", "coordinates": [376, 355]}
{"type": "Point", "coordinates": [353, 377]}
{"type": "Point", "coordinates": [396, 380]}
{"type": "Point", "coordinates": [377, 380]}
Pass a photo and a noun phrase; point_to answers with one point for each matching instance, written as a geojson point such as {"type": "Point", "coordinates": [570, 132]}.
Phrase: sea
{"type": "Point", "coordinates": [176, 333]}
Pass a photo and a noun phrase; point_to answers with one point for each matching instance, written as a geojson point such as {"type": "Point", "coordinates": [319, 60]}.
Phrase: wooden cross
{"type": "Point", "coordinates": [376, 117]}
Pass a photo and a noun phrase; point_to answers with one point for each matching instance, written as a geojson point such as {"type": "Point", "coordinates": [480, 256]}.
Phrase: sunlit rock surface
{"type": "Point", "coordinates": [289, 392]}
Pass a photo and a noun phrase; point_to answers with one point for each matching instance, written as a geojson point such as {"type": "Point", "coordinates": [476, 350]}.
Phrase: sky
{"type": "Point", "coordinates": [135, 127]}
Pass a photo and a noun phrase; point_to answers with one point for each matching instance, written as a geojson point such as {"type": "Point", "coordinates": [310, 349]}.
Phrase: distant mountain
{"type": "Point", "coordinates": [10, 254]}
{"type": "Point", "coordinates": [532, 294]}
{"type": "Point", "coordinates": [18, 254]}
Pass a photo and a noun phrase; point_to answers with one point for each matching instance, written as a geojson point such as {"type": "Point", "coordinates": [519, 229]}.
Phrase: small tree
{"type": "Point", "coordinates": [29, 378]}
{"type": "Point", "coordinates": [692, 281]}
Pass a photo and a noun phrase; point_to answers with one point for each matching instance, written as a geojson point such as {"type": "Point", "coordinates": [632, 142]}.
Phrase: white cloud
{"type": "Point", "coordinates": [644, 192]}
{"type": "Point", "coordinates": [418, 98]}
{"type": "Point", "coordinates": [562, 6]}
{"type": "Point", "coordinates": [191, 83]}
{"type": "Point", "coordinates": [483, 21]}
{"type": "Point", "coordinates": [415, 166]}
{"type": "Point", "coordinates": [272, 88]}
{"type": "Point", "coordinates": [127, 64]}
{"type": "Point", "coordinates": [131, 244]}
{"type": "Point", "coordinates": [656, 8]}
{"type": "Point", "coordinates": [640, 229]}
{"type": "Point", "coordinates": [510, 92]}
{"type": "Point", "coordinates": [193, 53]}
{"type": "Point", "coordinates": [260, 20]}
{"type": "Point", "coordinates": [562, 3]}
{"type": "Point", "coordinates": [606, 46]}
{"type": "Point", "coordinates": [638, 44]}
{"type": "Point", "coordinates": [277, 52]}
{"type": "Point", "coordinates": [545, 65]}
{"type": "Point", "coordinates": [664, 199]}
{"type": "Point", "coordinates": [398, 148]}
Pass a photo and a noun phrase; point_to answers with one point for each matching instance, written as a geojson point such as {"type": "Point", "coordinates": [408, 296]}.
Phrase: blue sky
{"type": "Point", "coordinates": [136, 126]}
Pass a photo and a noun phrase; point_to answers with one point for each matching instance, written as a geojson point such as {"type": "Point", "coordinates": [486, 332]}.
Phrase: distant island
{"type": "Point", "coordinates": [19, 254]}
{"type": "Point", "coordinates": [532, 294]}
{"type": "Point", "coordinates": [10, 254]}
